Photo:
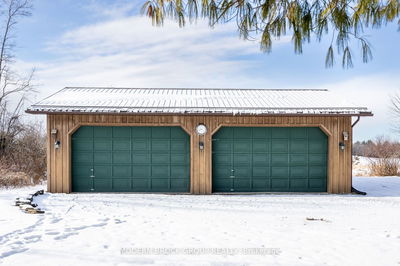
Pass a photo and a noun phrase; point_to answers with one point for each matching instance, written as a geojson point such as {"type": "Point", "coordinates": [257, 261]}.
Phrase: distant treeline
{"type": "Point", "coordinates": [381, 147]}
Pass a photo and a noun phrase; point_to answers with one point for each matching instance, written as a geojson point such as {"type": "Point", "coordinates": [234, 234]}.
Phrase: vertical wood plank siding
{"type": "Point", "coordinates": [59, 163]}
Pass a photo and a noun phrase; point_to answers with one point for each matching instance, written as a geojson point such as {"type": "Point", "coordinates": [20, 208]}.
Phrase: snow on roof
{"type": "Point", "coordinates": [195, 101]}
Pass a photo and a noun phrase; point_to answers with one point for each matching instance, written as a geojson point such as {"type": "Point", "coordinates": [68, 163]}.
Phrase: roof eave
{"type": "Point", "coordinates": [197, 113]}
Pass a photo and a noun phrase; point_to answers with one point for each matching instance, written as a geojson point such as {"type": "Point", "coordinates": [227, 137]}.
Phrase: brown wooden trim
{"type": "Point", "coordinates": [128, 124]}
{"type": "Point", "coordinates": [59, 160]}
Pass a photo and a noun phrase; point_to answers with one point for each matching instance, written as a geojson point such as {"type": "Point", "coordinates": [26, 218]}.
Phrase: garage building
{"type": "Point", "coordinates": [198, 141]}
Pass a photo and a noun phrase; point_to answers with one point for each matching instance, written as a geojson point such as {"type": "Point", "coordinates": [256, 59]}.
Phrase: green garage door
{"type": "Point", "coordinates": [130, 159]}
{"type": "Point", "coordinates": [262, 159]}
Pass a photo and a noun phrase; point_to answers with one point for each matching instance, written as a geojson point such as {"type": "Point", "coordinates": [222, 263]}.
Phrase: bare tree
{"type": "Point", "coordinates": [14, 88]}
{"type": "Point", "coordinates": [395, 109]}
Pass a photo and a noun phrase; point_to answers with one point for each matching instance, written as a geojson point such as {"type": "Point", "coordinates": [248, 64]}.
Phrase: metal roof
{"type": "Point", "coordinates": [195, 101]}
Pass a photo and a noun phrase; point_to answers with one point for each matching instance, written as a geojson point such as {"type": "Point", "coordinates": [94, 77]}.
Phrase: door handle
{"type": "Point", "coordinates": [92, 175]}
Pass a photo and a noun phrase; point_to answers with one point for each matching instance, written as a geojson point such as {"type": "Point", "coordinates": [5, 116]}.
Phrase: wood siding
{"type": "Point", "coordinates": [59, 163]}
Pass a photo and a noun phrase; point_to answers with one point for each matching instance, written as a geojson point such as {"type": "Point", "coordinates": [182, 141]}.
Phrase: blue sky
{"type": "Point", "coordinates": [107, 43]}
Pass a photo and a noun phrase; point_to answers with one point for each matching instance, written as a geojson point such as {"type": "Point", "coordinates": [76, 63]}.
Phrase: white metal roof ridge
{"type": "Point", "coordinates": [189, 100]}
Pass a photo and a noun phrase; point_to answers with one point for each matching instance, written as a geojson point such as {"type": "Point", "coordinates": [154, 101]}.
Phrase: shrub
{"type": "Point", "coordinates": [384, 166]}
{"type": "Point", "coordinates": [13, 179]}
{"type": "Point", "coordinates": [386, 157]}
{"type": "Point", "coordinates": [23, 160]}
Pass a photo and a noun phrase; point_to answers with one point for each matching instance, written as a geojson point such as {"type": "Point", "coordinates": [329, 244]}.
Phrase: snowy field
{"type": "Point", "coordinates": [92, 229]}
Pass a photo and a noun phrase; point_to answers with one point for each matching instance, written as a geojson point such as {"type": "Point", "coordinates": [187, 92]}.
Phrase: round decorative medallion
{"type": "Point", "coordinates": [201, 129]}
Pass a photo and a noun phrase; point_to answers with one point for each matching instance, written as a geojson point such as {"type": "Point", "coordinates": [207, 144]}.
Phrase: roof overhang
{"type": "Point", "coordinates": [186, 101]}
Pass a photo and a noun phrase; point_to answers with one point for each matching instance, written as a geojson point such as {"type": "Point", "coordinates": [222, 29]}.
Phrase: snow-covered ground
{"type": "Point", "coordinates": [92, 229]}
{"type": "Point", "coordinates": [361, 165]}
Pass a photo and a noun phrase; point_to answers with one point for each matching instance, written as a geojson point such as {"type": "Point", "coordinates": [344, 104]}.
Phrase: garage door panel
{"type": "Point", "coordinates": [224, 133]}
{"type": "Point", "coordinates": [159, 158]}
{"type": "Point", "coordinates": [177, 133]}
{"type": "Point", "coordinates": [84, 132]}
{"type": "Point", "coordinates": [279, 160]}
{"type": "Point", "coordinates": [222, 172]}
{"type": "Point", "coordinates": [315, 146]}
{"type": "Point", "coordinates": [121, 171]}
{"type": "Point", "coordinates": [141, 171]}
{"type": "Point", "coordinates": [222, 184]}
{"type": "Point", "coordinates": [279, 172]}
{"type": "Point", "coordinates": [82, 145]}
{"type": "Point", "coordinates": [317, 183]}
{"type": "Point", "coordinates": [162, 171]}
{"type": "Point", "coordinates": [261, 159]}
{"type": "Point", "coordinates": [280, 146]}
{"type": "Point", "coordinates": [102, 144]}
{"type": "Point", "coordinates": [141, 133]}
{"type": "Point", "coordinates": [102, 157]}
{"type": "Point", "coordinates": [82, 170]}
{"type": "Point", "coordinates": [122, 144]}
{"type": "Point", "coordinates": [83, 157]}
{"type": "Point", "coordinates": [261, 133]}
{"type": "Point", "coordinates": [178, 171]}
{"type": "Point", "coordinates": [261, 184]}
{"type": "Point", "coordinates": [242, 184]}
{"type": "Point", "coordinates": [160, 145]}
{"type": "Point", "coordinates": [222, 159]}
{"type": "Point", "coordinates": [178, 146]}
{"type": "Point", "coordinates": [261, 145]}
{"type": "Point", "coordinates": [317, 159]}
{"type": "Point", "coordinates": [103, 171]}
{"type": "Point", "coordinates": [261, 171]}
{"type": "Point", "coordinates": [280, 133]}
{"type": "Point", "coordinates": [317, 171]}
{"type": "Point", "coordinates": [223, 146]}
{"type": "Point", "coordinates": [179, 184]}
{"type": "Point", "coordinates": [242, 159]}
{"type": "Point", "coordinates": [101, 132]}
{"type": "Point", "coordinates": [141, 184]}
{"type": "Point", "coordinates": [242, 171]}
{"type": "Point", "coordinates": [140, 159]}
{"type": "Point", "coordinates": [178, 159]}
{"type": "Point", "coordinates": [242, 146]}
{"type": "Point", "coordinates": [279, 184]}
{"type": "Point", "coordinates": [82, 184]}
{"type": "Point", "coordinates": [140, 144]}
{"type": "Point", "coordinates": [298, 145]}
{"type": "Point", "coordinates": [299, 171]}
{"type": "Point", "coordinates": [161, 133]}
{"type": "Point", "coordinates": [120, 157]}
{"type": "Point", "coordinates": [122, 184]}
{"type": "Point", "coordinates": [241, 132]}
{"type": "Point", "coordinates": [298, 185]}
{"type": "Point", "coordinates": [316, 134]}
{"type": "Point", "coordinates": [298, 133]}
{"type": "Point", "coordinates": [160, 184]}
{"type": "Point", "coordinates": [276, 159]}
{"type": "Point", "coordinates": [122, 132]}
{"type": "Point", "coordinates": [102, 184]}
{"type": "Point", "coordinates": [298, 159]}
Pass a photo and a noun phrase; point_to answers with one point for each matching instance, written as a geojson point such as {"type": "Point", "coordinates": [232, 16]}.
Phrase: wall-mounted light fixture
{"type": "Point", "coordinates": [53, 132]}
{"type": "Point", "coordinates": [342, 146]}
{"type": "Point", "coordinates": [201, 145]}
{"type": "Point", "coordinates": [57, 144]}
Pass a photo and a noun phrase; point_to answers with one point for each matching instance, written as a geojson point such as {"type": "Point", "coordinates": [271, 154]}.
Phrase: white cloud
{"type": "Point", "coordinates": [130, 52]}
{"type": "Point", "coordinates": [374, 92]}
